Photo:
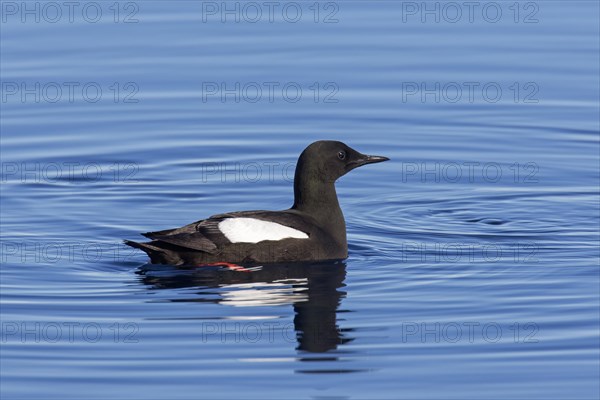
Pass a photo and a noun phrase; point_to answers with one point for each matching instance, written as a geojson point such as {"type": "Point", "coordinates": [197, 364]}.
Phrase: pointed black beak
{"type": "Point", "coordinates": [363, 160]}
{"type": "Point", "coordinates": [372, 159]}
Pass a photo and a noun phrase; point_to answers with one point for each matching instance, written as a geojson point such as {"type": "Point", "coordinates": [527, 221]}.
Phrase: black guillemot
{"type": "Point", "coordinates": [312, 230]}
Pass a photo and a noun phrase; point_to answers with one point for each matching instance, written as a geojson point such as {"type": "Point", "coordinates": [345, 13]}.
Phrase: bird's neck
{"type": "Point", "coordinates": [319, 200]}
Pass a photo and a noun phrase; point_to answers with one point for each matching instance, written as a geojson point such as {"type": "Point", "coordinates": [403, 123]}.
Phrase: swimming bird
{"type": "Point", "coordinates": [313, 229]}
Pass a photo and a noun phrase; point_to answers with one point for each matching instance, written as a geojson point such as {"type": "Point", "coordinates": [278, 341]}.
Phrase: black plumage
{"type": "Point", "coordinates": [315, 212]}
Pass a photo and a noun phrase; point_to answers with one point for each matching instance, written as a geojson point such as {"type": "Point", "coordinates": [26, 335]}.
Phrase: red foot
{"type": "Point", "coordinates": [233, 267]}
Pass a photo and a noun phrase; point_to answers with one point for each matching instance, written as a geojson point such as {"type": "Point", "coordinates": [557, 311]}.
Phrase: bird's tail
{"type": "Point", "coordinates": [147, 247]}
{"type": "Point", "coordinates": [157, 255]}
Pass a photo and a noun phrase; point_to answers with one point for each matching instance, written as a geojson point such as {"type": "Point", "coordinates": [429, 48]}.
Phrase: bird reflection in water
{"type": "Point", "coordinates": [312, 289]}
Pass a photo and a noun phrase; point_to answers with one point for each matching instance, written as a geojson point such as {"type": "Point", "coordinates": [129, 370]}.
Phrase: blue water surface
{"type": "Point", "coordinates": [473, 268]}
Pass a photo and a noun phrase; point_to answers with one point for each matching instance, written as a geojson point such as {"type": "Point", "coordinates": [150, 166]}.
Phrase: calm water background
{"type": "Point", "coordinates": [473, 268]}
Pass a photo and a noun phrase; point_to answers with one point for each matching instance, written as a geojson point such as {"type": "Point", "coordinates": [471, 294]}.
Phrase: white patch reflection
{"type": "Point", "coordinates": [276, 293]}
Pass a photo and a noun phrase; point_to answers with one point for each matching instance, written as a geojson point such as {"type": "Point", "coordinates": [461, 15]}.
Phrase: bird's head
{"type": "Point", "coordinates": [328, 160]}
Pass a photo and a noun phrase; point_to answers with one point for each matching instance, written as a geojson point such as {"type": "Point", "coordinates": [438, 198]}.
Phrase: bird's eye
{"type": "Point", "coordinates": [342, 155]}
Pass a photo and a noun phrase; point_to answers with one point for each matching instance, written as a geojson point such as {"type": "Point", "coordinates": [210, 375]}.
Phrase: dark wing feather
{"type": "Point", "coordinates": [194, 241]}
{"type": "Point", "coordinates": [205, 236]}
{"type": "Point", "coordinates": [190, 228]}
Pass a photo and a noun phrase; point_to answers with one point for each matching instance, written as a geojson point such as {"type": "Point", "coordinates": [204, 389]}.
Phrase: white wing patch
{"type": "Point", "coordinates": [252, 230]}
